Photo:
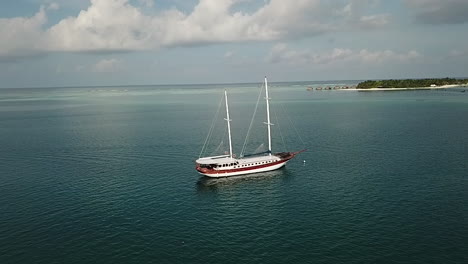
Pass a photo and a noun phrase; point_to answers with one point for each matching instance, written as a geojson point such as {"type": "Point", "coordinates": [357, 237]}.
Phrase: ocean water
{"type": "Point", "coordinates": [106, 175]}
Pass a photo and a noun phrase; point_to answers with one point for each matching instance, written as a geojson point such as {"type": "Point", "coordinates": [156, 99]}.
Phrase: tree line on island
{"type": "Point", "coordinates": [410, 83]}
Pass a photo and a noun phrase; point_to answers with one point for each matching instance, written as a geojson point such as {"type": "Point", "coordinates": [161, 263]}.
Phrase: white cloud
{"type": "Point", "coordinates": [22, 36]}
{"type": "Point", "coordinates": [281, 53]}
{"type": "Point", "coordinates": [458, 53]}
{"type": "Point", "coordinates": [79, 68]}
{"type": "Point", "coordinates": [353, 14]}
{"type": "Point", "coordinates": [387, 56]}
{"type": "Point", "coordinates": [105, 25]}
{"type": "Point", "coordinates": [147, 3]}
{"type": "Point", "coordinates": [108, 65]}
{"type": "Point", "coordinates": [117, 25]}
{"type": "Point", "coordinates": [66, 4]}
{"type": "Point", "coordinates": [373, 21]}
{"type": "Point", "coordinates": [53, 6]}
{"type": "Point", "coordinates": [228, 54]}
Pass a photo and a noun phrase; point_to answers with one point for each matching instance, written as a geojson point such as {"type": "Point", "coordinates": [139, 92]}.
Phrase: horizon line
{"type": "Point", "coordinates": [222, 83]}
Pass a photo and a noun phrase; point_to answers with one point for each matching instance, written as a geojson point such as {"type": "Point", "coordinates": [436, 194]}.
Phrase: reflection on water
{"type": "Point", "coordinates": [215, 184]}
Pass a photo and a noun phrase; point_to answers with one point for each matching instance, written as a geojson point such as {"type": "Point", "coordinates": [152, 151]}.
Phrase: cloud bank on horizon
{"type": "Point", "coordinates": [117, 25]}
{"type": "Point", "coordinates": [103, 31]}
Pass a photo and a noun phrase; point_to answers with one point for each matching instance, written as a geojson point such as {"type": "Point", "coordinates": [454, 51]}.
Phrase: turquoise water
{"type": "Point", "coordinates": [106, 175]}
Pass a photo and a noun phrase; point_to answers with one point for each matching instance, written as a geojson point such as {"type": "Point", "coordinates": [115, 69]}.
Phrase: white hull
{"type": "Point", "coordinates": [243, 172]}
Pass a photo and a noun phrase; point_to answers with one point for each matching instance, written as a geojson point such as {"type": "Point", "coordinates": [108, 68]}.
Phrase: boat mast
{"type": "Point", "coordinates": [228, 124]}
{"type": "Point", "coordinates": [268, 116]}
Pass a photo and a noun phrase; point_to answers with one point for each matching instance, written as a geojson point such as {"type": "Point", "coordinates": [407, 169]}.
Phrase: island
{"type": "Point", "coordinates": [413, 83]}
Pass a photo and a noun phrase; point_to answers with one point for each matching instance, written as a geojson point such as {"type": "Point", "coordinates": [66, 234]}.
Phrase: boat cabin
{"type": "Point", "coordinates": [217, 162]}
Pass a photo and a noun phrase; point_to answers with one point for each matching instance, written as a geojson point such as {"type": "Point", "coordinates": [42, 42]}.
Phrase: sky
{"type": "Point", "coordinates": [51, 43]}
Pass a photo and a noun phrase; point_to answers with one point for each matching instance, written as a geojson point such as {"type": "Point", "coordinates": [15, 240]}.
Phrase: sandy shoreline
{"type": "Point", "coordinates": [406, 89]}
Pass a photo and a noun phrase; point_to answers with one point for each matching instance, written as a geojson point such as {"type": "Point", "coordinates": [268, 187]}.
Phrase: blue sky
{"type": "Point", "coordinates": [118, 42]}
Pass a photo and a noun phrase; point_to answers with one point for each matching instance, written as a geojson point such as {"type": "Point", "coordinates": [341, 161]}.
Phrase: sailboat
{"type": "Point", "coordinates": [228, 165]}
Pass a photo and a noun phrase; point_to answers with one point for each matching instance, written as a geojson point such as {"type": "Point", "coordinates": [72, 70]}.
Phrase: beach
{"type": "Point", "coordinates": [406, 89]}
